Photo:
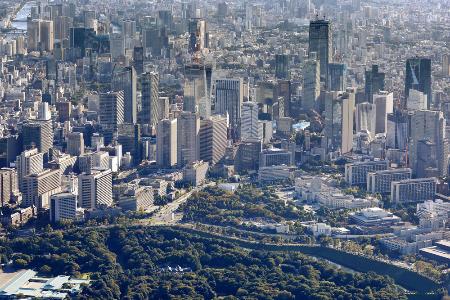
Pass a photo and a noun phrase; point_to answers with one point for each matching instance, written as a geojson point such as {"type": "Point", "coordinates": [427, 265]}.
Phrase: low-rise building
{"type": "Point", "coordinates": [275, 173]}
{"type": "Point", "coordinates": [25, 284]}
{"type": "Point", "coordinates": [433, 214]}
{"type": "Point", "coordinates": [439, 252]}
{"type": "Point", "coordinates": [195, 173]}
{"type": "Point", "coordinates": [318, 229]}
{"type": "Point", "coordinates": [374, 216]}
{"type": "Point", "coordinates": [137, 199]}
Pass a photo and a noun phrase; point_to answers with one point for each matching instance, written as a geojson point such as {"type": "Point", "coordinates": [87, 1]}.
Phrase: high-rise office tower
{"type": "Point", "coordinates": [44, 113]}
{"type": "Point", "coordinates": [95, 189]}
{"type": "Point", "coordinates": [8, 185]}
{"type": "Point", "coordinates": [166, 143]}
{"type": "Point", "coordinates": [416, 101]}
{"type": "Point", "coordinates": [445, 65]}
{"type": "Point", "coordinates": [429, 125]}
{"type": "Point", "coordinates": [374, 82]}
{"type": "Point", "coordinates": [125, 80]}
{"type": "Point", "coordinates": [283, 92]}
{"type": "Point", "coordinates": [88, 17]}
{"type": "Point", "coordinates": [282, 66]}
{"type": "Point", "coordinates": [38, 134]}
{"type": "Point", "coordinates": [29, 162]}
{"type": "Point", "coordinates": [365, 118]}
{"type": "Point", "coordinates": [117, 46]}
{"type": "Point", "coordinates": [150, 99]}
{"type": "Point", "coordinates": [418, 77]}
{"type": "Point", "coordinates": [188, 142]}
{"type": "Point", "coordinates": [229, 99]}
{"type": "Point", "coordinates": [33, 32]}
{"type": "Point", "coordinates": [155, 41]}
{"type": "Point", "coordinates": [138, 59]}
{"type": "Point", "coordinates": [129, 136]}
{"type": "Point", "coordinates": [222, 10]}
{"type": "Point", "coordinates": [248, 20]}
{"type": "Point", "coordinates": [197, 89]}
{"type": "Point", "coordinates": [320, 43]}
{"type": "Point", "coordinates": [213, 138]}
{"type": "Point", "coordinates": [75, 143]}
{"type": "Point", "coordinates": [111, 108]}
{"type": "Point", "coordinates": [339, 108]}
{"type": "Point", "coordinates": [337, 77]}
{"type": "Point", "coordinates": [40, 35]}
{"type": "Point", "coordinates": [198, 36]}
{"type": "Point", "coordinates": [62, 27]}
{"type": "Point", "coordinates": [384, 105]}
{"type": "Point", "coordinates": [249, 121]}
{"type": "Point", "coordinates": [128, 28]}
{"type": "Point", "coordinates": [39, 187]}
{"type": "Point", "coordinates": [10, 147]}
{"type": "Point", "coordinates": [311, 83]}
{"type": "Point", "coordinates": [63, 207]}
{"type": "Point", "coordinates": [163, 108]}
{"type": "Point", "coordinates": [397, 130]}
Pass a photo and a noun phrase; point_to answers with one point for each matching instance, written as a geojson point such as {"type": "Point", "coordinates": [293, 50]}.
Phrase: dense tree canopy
{"type": "Point", "coordinates": [215, 206]}
{"type": "Point", "coordinates": [131, 263]}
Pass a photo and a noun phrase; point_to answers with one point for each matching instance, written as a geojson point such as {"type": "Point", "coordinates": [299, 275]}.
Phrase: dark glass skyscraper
{"type": "Point", "coordinates": [374, 82]}
{"type": "Point", "coordinates": [336, 80]}
{"type": "Point", "coordinates": [281, 66]}
{"type": "Point", "coordinates": [125, 79]}
{"type": "Point", "coordinates": [418, 77]}
{"type": "Point", "coordinates": [320, 43]}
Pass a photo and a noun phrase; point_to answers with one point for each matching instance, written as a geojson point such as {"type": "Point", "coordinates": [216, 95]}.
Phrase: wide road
{"type": "Point", "coordinates": [166, 214]}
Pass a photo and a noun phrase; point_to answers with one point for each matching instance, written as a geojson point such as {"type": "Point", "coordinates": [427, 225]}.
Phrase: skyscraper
{"type": "Point", "coordinates": [125, 80]}
{"type": "Point", "coordinates": [198, 36]}
{"type": "Point", "coordinates": [283, 92]}
{"type": "Point", "coordinates": [40, 35]}
{"type": "Point", "coordinates": [213, 138]}
{"type": "Point", "coordinates": [374, 82]}
{"type": "Point", "coordinates": [311, 83]}
{"type": "Point", "coordinates": [46, 35]}
{"type": "Point", "coordinates": [111, 108]}
{"type": "Point", "coordinates": [95, 189]}
{"type": "Point", "coordinates": [229, 99]}
{"type": "Point", "coordinates": [418, 77]}
{"type": "Point", "coordinates": [188, 142]}
{"type": "Point", "coordinates": [75, 143]}
{"type": "Point", "coordinates": [29, 162]}
{"type": "Point", "coordinates": [249, 121]}
{"type": "Point", "coordinates": [429, 125]}
{"type": "Point", "coordinates": [8, 185]}
{"type": "Point", "coordinates": [365, 118]}
{"type": "Point", "coordinates": [446, 65]}
{"type": "Point", "coordinates": [150, 96]}
{"type": "Point", "coordinates": [384, 105]}
{"type": "Point", "coordinates": [337, 77]}
{"type": "Point", "coordinates": [39, 187]}
{"type": "Point", "coordinates": [282, 66]}
{"type": "Point", "coordinates": [63, 206]}
{"type": "Point", "coordinates": [166, 143]}
{"type": "Point", "coordinates": [339, 108]}
{"type": "Point", "coordinates": [320, 43]}
{"type": "Point", "coordinates": [397, 130]}
{"type": "Point", "coordinates": [197, 89]}
{"type": "Point", "coordinates": [38, 134]}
